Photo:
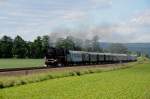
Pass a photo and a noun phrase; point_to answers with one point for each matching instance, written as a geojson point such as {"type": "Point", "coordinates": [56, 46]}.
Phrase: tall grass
{"type": "Point", "coordinates": [16, 81]}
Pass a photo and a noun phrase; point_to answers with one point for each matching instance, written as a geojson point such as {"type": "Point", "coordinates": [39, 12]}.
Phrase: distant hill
{"type": "Point", "coordinates": [136, 47]}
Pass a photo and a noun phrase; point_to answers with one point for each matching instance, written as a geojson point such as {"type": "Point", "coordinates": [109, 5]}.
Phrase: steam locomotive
{"type": "Point", "coordinates": [60, 57]}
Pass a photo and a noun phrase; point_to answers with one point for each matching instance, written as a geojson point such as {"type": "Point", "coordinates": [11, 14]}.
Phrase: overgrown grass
{"type": "Point", "coordinates": [17, 63]}
{"type": "Point", "coordinates": [130, 83]}
{"type": "Point", "coordinates": [15, 81]}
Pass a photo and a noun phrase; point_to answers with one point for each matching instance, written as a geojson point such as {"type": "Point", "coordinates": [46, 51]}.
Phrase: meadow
{"type": "Point", "coordinates": [129, 83]}
{"type": "Point", "coordinates": [17, 63]}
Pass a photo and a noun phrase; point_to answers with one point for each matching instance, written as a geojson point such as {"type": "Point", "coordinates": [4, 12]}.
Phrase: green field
{"type": "Point", "coordinates": [14, 63]}
{"type": "Point", "coordinates": [130, 83]}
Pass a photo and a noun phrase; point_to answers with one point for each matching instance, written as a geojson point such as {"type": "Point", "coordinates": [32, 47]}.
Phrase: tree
{"type": "Point", "coordinates": [6, 47]}
{"type": "Point", "coordinates": [45, 44]}
{"type": "Point", "coordinates": [67, 43]}
{"type": "Point", "coordinates": [37, 48]}
{"type": "Point", "coordinates": [29, 49]}
{"type": "Point", "coordinates": [19, 47]}
{"type": "Point", "coordinates": [118, 48]}
{"type": "Point", "coordinates": [96, 44]}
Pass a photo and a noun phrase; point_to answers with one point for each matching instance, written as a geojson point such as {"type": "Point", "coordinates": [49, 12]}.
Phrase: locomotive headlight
{"type": "Point", "coordinates": [53, 60]}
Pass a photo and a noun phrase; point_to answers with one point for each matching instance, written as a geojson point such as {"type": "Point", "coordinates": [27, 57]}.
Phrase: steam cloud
{"type": "Point", "coordinates": [83, 32]}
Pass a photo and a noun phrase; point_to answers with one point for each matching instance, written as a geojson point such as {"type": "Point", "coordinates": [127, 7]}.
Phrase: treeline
{"type": "Point", "coordinates": [19, 48]}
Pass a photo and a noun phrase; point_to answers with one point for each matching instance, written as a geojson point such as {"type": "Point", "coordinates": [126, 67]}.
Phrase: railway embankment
{"type": "Point", "coordinates": [52, 73]}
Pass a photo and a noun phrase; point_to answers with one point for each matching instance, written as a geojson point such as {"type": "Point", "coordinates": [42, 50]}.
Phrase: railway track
{"type": "Point", "coordinates": [21, 69]}
{"type": "Point", "coordinates": [42, 69]}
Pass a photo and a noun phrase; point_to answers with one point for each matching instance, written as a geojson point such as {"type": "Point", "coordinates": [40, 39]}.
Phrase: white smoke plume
{"type": "Point", "coordinates": [82, 32]}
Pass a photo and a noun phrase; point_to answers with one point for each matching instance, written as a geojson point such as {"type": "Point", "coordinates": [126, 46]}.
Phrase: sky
{"type": "Point", "coordinates": [112, 20]}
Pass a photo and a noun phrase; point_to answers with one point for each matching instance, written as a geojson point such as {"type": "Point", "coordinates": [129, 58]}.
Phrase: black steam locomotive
{"type": "Point", "coordinates": [63, 57]}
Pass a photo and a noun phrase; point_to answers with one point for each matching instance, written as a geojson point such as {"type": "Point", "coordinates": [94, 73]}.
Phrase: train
{"type": "Point", "coordinates": [60, 57]}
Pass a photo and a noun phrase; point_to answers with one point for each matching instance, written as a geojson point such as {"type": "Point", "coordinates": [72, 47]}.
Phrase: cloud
{"type": "Point", "coordinates": [3, 17]}
{"type": "Point", "coordinates": [3, 3]}
{"type": "Point", "coordinates": [74, 15]}
{"type": "Point", "coordinates": [142, 18]}
{"type": "Point", "coordinates": [135, 29]}
{"type": "Point", "coordinates": [101, 3]}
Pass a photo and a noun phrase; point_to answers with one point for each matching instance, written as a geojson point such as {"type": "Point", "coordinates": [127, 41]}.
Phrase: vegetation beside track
{"type": "Point", "coordinates": [129, 83]}
{"type": "Point", "coordinates": [21, 80]}
{"type": "Point", "coordinates": [20, 63]}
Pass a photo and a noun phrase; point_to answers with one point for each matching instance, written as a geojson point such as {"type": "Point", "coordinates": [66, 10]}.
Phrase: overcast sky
{"type": "Point", "coordinates": [111, 20]}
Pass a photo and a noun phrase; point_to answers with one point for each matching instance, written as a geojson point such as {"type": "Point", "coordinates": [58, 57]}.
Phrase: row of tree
{"type": "Point", "coordinates": [19, 48]}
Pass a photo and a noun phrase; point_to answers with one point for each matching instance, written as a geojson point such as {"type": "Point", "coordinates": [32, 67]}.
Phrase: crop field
{"type": "Point", "coordinates": [17, 63]}
{"type": "Point", "coordinates": [129, 83]}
